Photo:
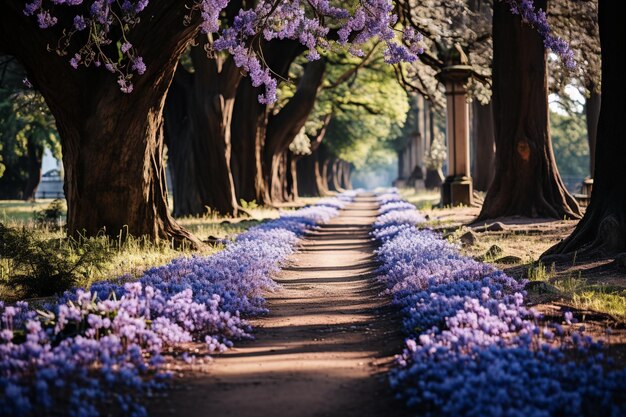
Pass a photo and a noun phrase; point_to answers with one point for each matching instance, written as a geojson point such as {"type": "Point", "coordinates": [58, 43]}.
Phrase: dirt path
{"type": "Point", "coordinates": [323, 349]}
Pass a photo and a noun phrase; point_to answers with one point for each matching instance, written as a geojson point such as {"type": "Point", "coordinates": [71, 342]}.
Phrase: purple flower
{"type": "Point", "coordinates": [138, 66]}
{"type": "Point", "coordinates": [473, 348]}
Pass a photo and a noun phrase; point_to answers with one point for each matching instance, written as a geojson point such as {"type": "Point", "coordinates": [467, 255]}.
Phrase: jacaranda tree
{"type": "Point", "coordinates": [114, 62]}
{"type": "Point", "coordinates": [602, 231]}
{"type": "Point", "coordinates": [526, 180]}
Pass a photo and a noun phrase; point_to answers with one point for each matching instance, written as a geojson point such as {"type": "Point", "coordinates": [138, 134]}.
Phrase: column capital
{"type": "Point", "coordinates": [455, 73]}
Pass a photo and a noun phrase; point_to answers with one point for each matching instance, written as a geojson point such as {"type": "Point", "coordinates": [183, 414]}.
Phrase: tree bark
{"type": "Point", "coordinates": [112, 142]}
{"type": "Point", "coordinates": [308, 169]}
{"type": "Point", "coordinates": [328, 173]}
{"type": "Point", "coordinates": [321, 176]}
{"type": "Point", "coordinates": [602, 231]}
{"type": "Point", "coordinates": [592, 111]}
{"type": "Point", "coordinates": [346, 173]}
{"type": "Point", "coordinates": [34, 152]}
{"type": "Point", "coordinates": [526, 181]}
{"type": "Point", "coordinates": [336, 175]}
{"type": "Point", "coordinates": [293, 176]}
{"type": "Point", "coordinates": [250, 124]}
{"type": "Point", "coordinates": [248, 136]}
{"type": "Point", "coordinates": [324, 163]}
{"type": "Point", "coordinates": [307, 185]}
{"type": "Point", "coordinates": [484, 145]}
{"type": "Point", "coordinates": [283, 126]}
{"type": "Point", "coordinates": [198, 114]}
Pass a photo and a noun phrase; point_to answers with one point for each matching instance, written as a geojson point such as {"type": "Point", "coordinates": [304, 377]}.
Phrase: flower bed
{"type": "Point", "coordinates": [101, 349]}
{"type": "Point", "coordinates": [473, 348]}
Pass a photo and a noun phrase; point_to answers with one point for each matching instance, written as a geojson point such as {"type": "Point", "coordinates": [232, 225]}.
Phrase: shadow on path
{"type": "Point", "coordinates": [324, 348]}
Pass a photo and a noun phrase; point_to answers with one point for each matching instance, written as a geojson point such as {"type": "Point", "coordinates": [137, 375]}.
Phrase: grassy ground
{"type": "Point", "coordinates": [423, 199]}
{"type": "Point", "coordinates": [595, 286]}
{"type": "Point", "coordinates": [133, 256]}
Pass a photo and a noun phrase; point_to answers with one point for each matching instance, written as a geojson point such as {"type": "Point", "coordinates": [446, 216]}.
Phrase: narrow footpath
{"type": "Point", "coordinates": [325, 346]}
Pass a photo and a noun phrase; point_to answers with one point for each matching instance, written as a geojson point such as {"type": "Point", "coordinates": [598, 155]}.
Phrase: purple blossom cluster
{"type": "Point", "coordinates": [308, 22]}
{"type": "Point", "coordinates": [539, 20]}
{"type": "Point", "coordinates": [101, 19]}
{"type": "Point", "coordinates": [102, 348]}
{"type": "Point", "coordinates": [473, 348]}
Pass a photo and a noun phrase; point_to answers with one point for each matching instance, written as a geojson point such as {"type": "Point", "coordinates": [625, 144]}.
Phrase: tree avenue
{"type": "Point", "coordinates": [112, 133]}
{"type": "Point", "coordinates": [227, 139]}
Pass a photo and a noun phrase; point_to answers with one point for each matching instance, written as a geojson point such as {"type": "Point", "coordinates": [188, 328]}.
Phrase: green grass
{"type": "Point", "coordinates": [593, 296]}
{"type": "Point", "coordinates": [583, 294]}
{"type": "Point", "coordinates": [602, 301]}
{"type": "Point", "coordinates": [132, 257]}
{"type": "Point", "coordinates": [21, 211]}
{"type": "Point", "coordinates": [539, 272]}
{"type": "Point", "coordinates": [422, 199]}
{"type": "Point", "coordinates": [135, 254]}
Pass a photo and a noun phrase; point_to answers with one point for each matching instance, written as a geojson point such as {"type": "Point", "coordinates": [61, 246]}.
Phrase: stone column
{"type": "Point", "coordinates": [457, 188]}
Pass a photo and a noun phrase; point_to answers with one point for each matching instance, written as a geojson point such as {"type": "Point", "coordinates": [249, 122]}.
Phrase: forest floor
{"type": "Point", "coordinates": [594, 290]}
{"type": "Point", "coordinates": [323, 350]}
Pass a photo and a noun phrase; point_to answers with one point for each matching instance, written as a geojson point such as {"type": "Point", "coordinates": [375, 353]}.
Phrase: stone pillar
{"type": "Point", "coordinates": [457, 188]}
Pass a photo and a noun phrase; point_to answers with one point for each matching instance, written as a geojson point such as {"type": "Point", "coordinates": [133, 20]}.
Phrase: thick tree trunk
{"type": "Point", "coordinates": [308, 170]}
{"type": "Point", "coordinates": [526, 181]}
{"type": "Point", "coordinates": [249, 160]}
{"type": "Point", "coordinates": [248, 137]}
{"type": "Point", "coordinates": [602, 232]}
{"type": "Point", "coordinates": [283, 180]}
{"type": "Point", "coordinates": [293, 176]}
{"type": "Point", "coordinates": [285, 125]}
{"type": "Point", "coordinates": [34, 152]}
{"type": "Point", "coordinates": [346, 173]}
{"type": "Point", "coordinates": [321, 170]}
{"type": "Point", "coordinates": [337, 174]}
{"type": "Point", "coordinates": [484, 145]}
{"type": "Point", "coordinates": [329, 174]}
{"type": "Point", "coordinates": [198, 114]}
{"type": "Point", "coordinates": [325, 164]}
{"type": "Point", "coordinates": [307, 184]}
{"type": "Point", "coordinates": [592, 111]}
{"type": "Point", "coordinates": [112, 142]}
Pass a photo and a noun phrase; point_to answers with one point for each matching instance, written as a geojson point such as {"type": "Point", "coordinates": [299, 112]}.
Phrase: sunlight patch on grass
{"type": "Point", "coordinates": [22, 211]}
{"type": "Point", "coordinates": [539, 272]}
{"type": "Point", "coordinates": [135, 254]}
{"type": "Point", "coordinates": [422, 199]}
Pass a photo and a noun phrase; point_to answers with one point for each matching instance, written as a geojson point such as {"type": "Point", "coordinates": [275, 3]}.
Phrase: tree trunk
{"type": "Point", "coordinates": [592, 111]}
{"type": "Point", "coordinates": [325, 172]}
{"type": "Point", "coordinates": [602, 231]}
{"type": "Point", "coordinates": [285, 125]}
{"type": "Point", "coordinates": [526, 180]}
{"type": "Point", "coordinates": [112, 142]}
{"type": "Point", "coordinates": [250, 123]}
{"type": "Point", "coordinates": [283, 180]}
{"type": "Point", "coordinates": [346, 173]}
{"type": "Point", "coordinates": [484, 145]}
{"type": "Point", "coordinates": [34, 153]}
{"type": "Point", "coordinates": [321, 175]}
{"type": "Point", "coordinates": [198, 114]}
{"type": "Point", "coordinates": [308, 169]}
{"type": "Point", "coordinates": [336, 175]}
{"type": "Point", "coordinates": [307, 184]}
{"type": "Point", "coordinates": [293, 176]}
{"type": "Point", "coordinates": [329, 174]}
{"type": "Point", "coordinates": [248, 138]}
